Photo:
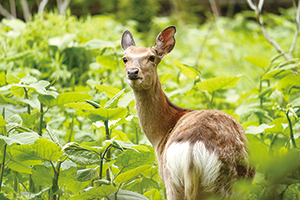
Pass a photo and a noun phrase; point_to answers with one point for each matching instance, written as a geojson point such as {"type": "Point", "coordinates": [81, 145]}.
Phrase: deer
{"type": "Point", "coordinates": [200, 153]}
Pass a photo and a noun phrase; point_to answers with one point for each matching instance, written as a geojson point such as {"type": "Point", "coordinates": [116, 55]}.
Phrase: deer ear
{"type": "Point", "coordinates": [165, 41]}
{"type": "Point", "coordinates": [127, 40]}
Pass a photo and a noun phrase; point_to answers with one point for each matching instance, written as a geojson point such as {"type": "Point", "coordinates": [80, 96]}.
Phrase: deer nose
{"type": "Point", "coordinates": [133, 73]}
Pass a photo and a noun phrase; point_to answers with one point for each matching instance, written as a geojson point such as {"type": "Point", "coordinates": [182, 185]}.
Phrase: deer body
{"type": "Point", "coordinates": [200, 153]}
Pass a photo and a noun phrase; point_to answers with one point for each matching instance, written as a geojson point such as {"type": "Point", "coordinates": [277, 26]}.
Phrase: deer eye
{"type": "Point", "coordinates": [152, 58]}
{"type": "Point", "coordinates": [124, 60]}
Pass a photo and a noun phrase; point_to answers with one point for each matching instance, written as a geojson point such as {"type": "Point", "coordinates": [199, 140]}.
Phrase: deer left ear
{"type": "Point", "coordinates": [127, 40]}
{"type": "Point", "coordinates": [165, 41]}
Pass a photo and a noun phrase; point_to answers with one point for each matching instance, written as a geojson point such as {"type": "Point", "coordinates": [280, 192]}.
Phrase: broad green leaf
{"type": "Point", "coordinates": [53, 136]}
{"type": "Point", "coordinates": [80, 105]}
{"type": "Point", "coordinates": [2, 121]}
{"type": "Point", "coordinates": [126, 99]}
{"type": "Point", "coordinates": [29, 195]}
{"type": "Point", "coordinates": [21, 138]}
{"type": "Point", "coordinates": [107, 61]}
{"type": "Point", "coordinates": [42, 149]}
{"type": "Point", "coordinates": [85, 174]}
{"type": "Point", "coordinates": [258, 61]}
{"type": "Point", "coordinates": [153, 194]}
{"type": "Point", "coordinates": [127, 195]}
{"type": "Point", "coordinates": [123, 177]}
{"type": "Point", "coordinates": [104, 114]}
{"type": "Point", "coordinates": [21, 165]}
{"type": "Point", "coordinates": [62, 42]}
{"type": "Point", "coordinates": [258, 129]}
{"type": "Point", "coordinates": [99, 44]}
{"type": "Point", "coordinates": [279, 72]}
{"type": "Point", "coordinates": [131, 159]}
{"type": "Point", "coordinates": [67, 178]}
{"type": "Point", "coordinates": [95, 193]}
{"type": "Point", "coordinates": [42, 175]}
{"type": "Point", "coordinates": [119, 135]}
{"type": "Point", "coordinates": [63, 98]}
{"type": "Point", "coordinates": [219, 83]}
{"type": "Point", "coordinates": [81, 155]}
{"type": "Point", "coordinates": [11, 78]}
{"type": "Point", "coordinates": [189, 71]}
{"type": "Point", "coordinates": [295, 102]}
{"type": "Point", "coordinates": [287, 84]}
{"type": "Point", "coordinates": [109, 90]}
{"type": "Point", "coordinates": [114, 100]}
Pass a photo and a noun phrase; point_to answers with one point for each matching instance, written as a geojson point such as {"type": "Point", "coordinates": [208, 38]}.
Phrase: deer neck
{"type": "Point", "coordinates": [155, 112]}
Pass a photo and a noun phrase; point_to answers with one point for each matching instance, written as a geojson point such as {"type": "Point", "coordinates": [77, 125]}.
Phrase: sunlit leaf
{"type": "Point", "coordinates": [104, 114]}
{"type": "Point", "coordinates": [257, 129]}
{"type": "Point", "coordinates": [85, 174]}
{"type": "Point", "coordinates": [65, 98]}
{"type": "Point", "coordinates": [153, 194]}
{"type": "Point", "coordinates": [109, 90]}
{"type": "Point", "coordinates": [127, 195]}
{"type": "Point", "coordinates": [131, 174]}
{"type": "Point", "coordinates": [189, 71]}
{"type": "Point", "coordinates": [94, 193]}
{"type": "Point", "coordinates": [218, 83]}
{"type": "Point", "coordinates": [21, 138]}
{"type": "Point", "coordinates": [114, 100]}
{"type": "Point", "coordinates": [259, 61]}
{"type": "Point", "coordinates": [42, 175]}
{"type": "Point", "coordinates": [42, 149]}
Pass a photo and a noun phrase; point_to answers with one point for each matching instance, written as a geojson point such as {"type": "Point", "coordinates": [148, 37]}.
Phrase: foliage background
{"type": "Point", "coordinates": [69, 128]}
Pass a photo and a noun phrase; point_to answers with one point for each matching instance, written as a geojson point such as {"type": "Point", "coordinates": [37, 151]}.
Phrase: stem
{"type": "Point", "coordinates": [291, 129]}
{"type": "Point", "coordinates": [71, 131]}
{"type": "Point", "coordinates": [2, 166]}
{"type": "Point", "coordinates": [108, 155]}
{"type": "Point", "coordinates": [16, 183]}
{"type": "Point", "coordinates": [41, 119]}
{"type": "Point", "coordinates": [55, 187]}
{"type": "Point", "coordinates": [102, 159]}
{"type": "Point", "coordinates": [26, 95]}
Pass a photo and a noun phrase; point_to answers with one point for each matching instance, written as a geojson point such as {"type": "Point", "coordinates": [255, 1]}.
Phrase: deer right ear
{"type": "Point", "coordinates": [127, 40]}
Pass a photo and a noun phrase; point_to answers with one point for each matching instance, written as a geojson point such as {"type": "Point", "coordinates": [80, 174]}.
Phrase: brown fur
{"type": "Point", "coordinates": [165, 124]}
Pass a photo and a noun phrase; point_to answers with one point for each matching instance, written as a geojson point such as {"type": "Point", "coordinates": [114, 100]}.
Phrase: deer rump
{"type": "Point", "coordinates": [204, 155]}
{"type": "Point", "coordinates": [200, 153]}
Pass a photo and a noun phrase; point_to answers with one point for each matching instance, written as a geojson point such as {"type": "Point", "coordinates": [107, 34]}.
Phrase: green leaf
{"type": "Point", "coordinates": [67, 178]}
{"type": "Point", "coordinates": [219, 83]}
{"type": "Point", "coordinates": [21, 138]}
{"type": "Point", "coordinates": [131, 159]}
{"type": "Point", "coordinates": [126, 100]}
{"type": "Point", "coordinates": [80, 105]}
{"type": "Point", "coordinates": [121, 178]}
{"type": "Point", "coordinates": [287, 84]}
{"type": "Point", "coordinates": [99, 44]}
{"type": "Point", "coordinates": [81, 155]}
{"type": "Point", "coordinates": [11, 78]}
{"type": "Point", "coordinates": [104, 114]}
{"type": "Point", "coordinates": [42, 175]}
{"type": "Point", "coordinates": [2, 121]}
{"type": "Point", "coordinates": [109, 90]}
{"type": "Point", "coordinates": [94, 193]}
{"type": "Point", "coordinates": [30, 195]}
{"type": "Point", "coordinates": [2, 78]}
{"type": "Point", "coordinates": [153, 194]}
{"type": "Point", "coordinates": [258, 129]}
{"type": "Point", "coordinates": [85, 174]}
{"type": "Point", "coordinates": [62, 42]}
{"type": "Point", "coordinates": [114, 100]}
{"type": "Point", "coordinates": [127, 195]}
{"type": "Point", "coordinates": [42, 149]}
{"type": "Point", "coordinates": [53, 136]}
{"type": "Point", "coordinates": [189, 71]}
{"type": "Point", "coordinates": [64, 98]}
{"type": "Point", "coordinates": [258, 61]}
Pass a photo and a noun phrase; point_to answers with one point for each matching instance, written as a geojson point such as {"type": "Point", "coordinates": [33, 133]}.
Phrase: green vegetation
{"type": "Point", "coordinates": [68, 123]}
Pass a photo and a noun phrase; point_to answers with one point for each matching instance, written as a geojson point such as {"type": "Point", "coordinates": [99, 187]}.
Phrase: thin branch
{"type": "Point", "coordinates": [13, 8]}
{"type": "Point", "coordinates": [62, 6]}
{"type": "Point", "coordinates": [297, 19]}
{"type": "Point", "coordinates": [42, 6]}
{"type": "Point", "coordinates": [26, 10]}
{"type": "Point", "coordinates": [263, 29]}
{"type": "Point", "coordinates": [5, 13]}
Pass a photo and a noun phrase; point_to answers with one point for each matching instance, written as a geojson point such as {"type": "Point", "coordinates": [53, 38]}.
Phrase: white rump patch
{"type": "Point", "coordinates": [193, 167]}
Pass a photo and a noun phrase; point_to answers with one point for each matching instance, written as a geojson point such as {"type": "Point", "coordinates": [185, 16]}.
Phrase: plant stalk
{"type": "Point", "coordinates": [108, 154]}
{"type": "Point", "coordinates": [41, 119]}
{"type": "Point", "coordinates": [2, 165]}
{"type": "Point", "coordinates": [291, 129]}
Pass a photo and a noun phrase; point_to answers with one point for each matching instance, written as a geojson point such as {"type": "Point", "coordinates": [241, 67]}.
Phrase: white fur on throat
{"type": "Point", "coordinates": [192, 166]}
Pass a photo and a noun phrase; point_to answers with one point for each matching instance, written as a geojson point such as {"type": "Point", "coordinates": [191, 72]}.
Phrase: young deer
{"type": "Point", "coordinates": [200, 153]}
